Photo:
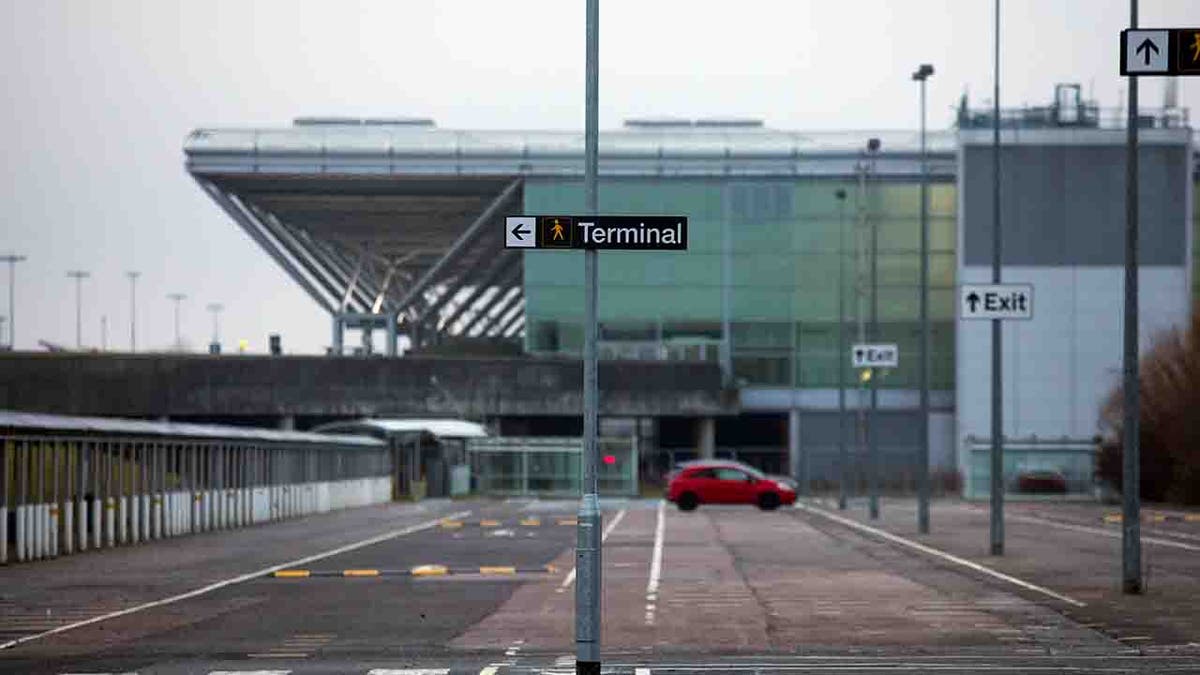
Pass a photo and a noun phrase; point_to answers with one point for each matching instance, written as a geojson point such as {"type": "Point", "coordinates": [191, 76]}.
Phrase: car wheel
{"type": "Point", "coordinates": [687, 502]}
{"type": "Point", "coordinates": [768, 501]}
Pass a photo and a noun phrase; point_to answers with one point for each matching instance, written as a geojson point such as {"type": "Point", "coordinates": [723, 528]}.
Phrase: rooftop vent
{"type": "Point", "coordinates": [361, 121]}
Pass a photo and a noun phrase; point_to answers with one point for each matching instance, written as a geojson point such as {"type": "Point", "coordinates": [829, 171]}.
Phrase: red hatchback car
{"type": "Point", "coordinates": [725, 482]}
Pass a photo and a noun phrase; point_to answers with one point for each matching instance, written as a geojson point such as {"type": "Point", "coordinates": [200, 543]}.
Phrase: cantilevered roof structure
{"type": "Point", "coordinates": [393, 224]}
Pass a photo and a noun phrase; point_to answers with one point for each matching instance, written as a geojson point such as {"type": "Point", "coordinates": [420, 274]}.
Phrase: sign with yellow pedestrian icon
{"type": "Point", "coordinates": [1160, 51]}
{"type": "Point", "coordinates": [557, 231]}
{"type": "Point", "coordinates": [597, 233]}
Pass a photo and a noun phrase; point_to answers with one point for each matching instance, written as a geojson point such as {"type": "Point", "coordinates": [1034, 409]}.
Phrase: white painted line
{"type": "Point", "coordinates": [929, 550]}
{"type": "Point", "coordinates": [656, 559]}
{"type": "Point", "coordinates": [489, 670]}
{"type": "Point", "coordinates": [249, 672]}
{"type": "Point", "coordinates": [641, 671]}
{"type": "Point", "coordinates": [603, 538]}
{"type": "Point", "coordinates": [409, 671]}
{"type": "Point", "coordinates": [237, 580]}
{"type": "Point", "coordinates": [1102, 532]}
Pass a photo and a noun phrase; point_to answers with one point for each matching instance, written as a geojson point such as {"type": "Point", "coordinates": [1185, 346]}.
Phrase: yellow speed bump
{"type": "Point", "coordinates": [531, 522]}
{"type": "Point", "coordinates": [568, 521]}
{"type": "Point", "coordinates": [1158, 518]}
{"type": "Point", "coordinates": [430, 571]}
{"type": "Point", "coordinates": [552, 569]}
{"type": "Point", "coordinates": [291, 574]}
{"type": "Point", "coordinates": [1192, 518]}
{"type": "Point", "coordinates": [489, 523]}
{"type": "Point", "coordinates": [360, 573]}
{"type": "Point", "coordinates": [497, 570]}
{"type": "Point", "coordinates": [451, 524]}
{"type": "Point", "coordinates": [1112, 518]}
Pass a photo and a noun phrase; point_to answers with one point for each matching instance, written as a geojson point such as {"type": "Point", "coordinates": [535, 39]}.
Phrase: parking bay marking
{"type": "Point", "coordinates": [234, 580]}
{"type": "Point", "coordinates": [603, 538]}
{"type": "Point", "coordinates": [940, 554]}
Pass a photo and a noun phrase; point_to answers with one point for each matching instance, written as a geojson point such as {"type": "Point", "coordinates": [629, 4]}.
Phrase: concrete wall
{"type": "Point", "coordinates": [172, 385]}
{"type": "Point", "coordinates": [1062, 226]}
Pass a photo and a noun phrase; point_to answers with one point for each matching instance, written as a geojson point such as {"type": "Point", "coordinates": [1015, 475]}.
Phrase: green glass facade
{"type": "Point", "coordinates": [763, 254]}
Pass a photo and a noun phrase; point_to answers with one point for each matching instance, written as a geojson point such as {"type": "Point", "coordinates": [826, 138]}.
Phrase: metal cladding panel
{"type": "Point", "coordinates": [1065, 204]}
{"type": "Point", "coordinates": [1060, 365]}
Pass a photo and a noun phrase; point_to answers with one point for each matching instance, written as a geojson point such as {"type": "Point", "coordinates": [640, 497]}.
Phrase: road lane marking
{"type": "Point", "coordinates": [1103, 532]}
{"type": "Point", "coordinates": [929, 550]}
{"type": "Point", "coordinates": [292, 574]}
{"type": "Point", "coordinates": [499, 569]}
{"type": "Point", "coordinates": [360, 573]}
{"type": "Point", "coordinates": [430, 571]}
{"type": "Point", "coordinates": [233, 580]}
{"type": "Point", "coordinates": [531, 522]}
{"type": "Point", "coordinates": [409, 671]}
{"type": "Point", "coordinates": [603, 538]}
{"type": "Point", "coordinates": [655, 564]}
{"type": "Point", "coordinates": [641, 671]}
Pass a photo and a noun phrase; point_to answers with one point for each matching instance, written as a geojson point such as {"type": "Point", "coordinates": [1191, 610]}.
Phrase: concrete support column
{"type": "Point", "coordinates": [339, 334]}
{"type": "Point", "coordinates": [287, 423]}
{"type": "Point", "coordinates": [706, 437]}
{"type": "Point", "coordinates": [392, 337]}
{"type": "Point", "coordinates": [797, 463]}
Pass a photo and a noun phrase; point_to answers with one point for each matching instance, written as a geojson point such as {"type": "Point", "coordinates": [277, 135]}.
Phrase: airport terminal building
{"type": "Point", "coordinates": [799, 244]}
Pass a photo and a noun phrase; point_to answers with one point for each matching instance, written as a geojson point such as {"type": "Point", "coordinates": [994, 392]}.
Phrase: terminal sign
{"type": "Point", "coordinates": [598, 233]}
{"type": "Point", "coordinates": [995, 301]}
{"type": "Point", "coordinates": [875, 356]}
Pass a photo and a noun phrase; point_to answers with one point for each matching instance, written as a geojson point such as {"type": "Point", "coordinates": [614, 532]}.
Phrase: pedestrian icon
{"type": "Point", "coordinates": [1189, 51]}
{"type": "Point", "coordinates": [557, 231]}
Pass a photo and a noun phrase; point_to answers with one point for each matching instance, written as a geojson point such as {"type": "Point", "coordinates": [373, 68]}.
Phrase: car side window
{"type": "Point", "coordinates": [731, 474]}
{"type": "Point", "coordinates": [703, 474]}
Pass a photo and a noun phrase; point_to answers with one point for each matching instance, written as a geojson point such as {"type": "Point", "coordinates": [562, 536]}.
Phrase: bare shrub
{"type": "Point", "coordinates": [1169, 422]}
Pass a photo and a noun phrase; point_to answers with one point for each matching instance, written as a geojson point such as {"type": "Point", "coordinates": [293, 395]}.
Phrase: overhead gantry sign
{"type": "Point", "coordinates": [597, 233]}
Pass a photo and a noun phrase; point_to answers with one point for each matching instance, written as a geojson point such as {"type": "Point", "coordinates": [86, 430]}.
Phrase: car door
{"type": "Point", "coordinates": [734, 486]}
{"type": "Point", "coordinates": [706, 486]}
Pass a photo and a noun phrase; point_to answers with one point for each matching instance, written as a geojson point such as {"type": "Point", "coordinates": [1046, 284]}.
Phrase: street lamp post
{"type": "Point", "coordinates": [78, 276]}
{"type": "Point", "coordinates": [177, 298]}
{"type": "Point", "coordinates": [872, 430]}
{"type": "Point", "coordinates": [921, 75]}
{"type": "Point", "coordinates": [215, 346]}
{"type": "Point", "coordinates": [12, 260]}
{"type": "Point", "coordinates": [133, 277]}
{"type": "Point", "coordinates": [843, 352]}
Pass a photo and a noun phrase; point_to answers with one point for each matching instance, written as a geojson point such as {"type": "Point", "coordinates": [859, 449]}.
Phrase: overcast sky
{"type": "Point", "coordinates": [100, 95]}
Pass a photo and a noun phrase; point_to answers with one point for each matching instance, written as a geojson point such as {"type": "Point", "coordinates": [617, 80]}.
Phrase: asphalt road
{"type": "Point", "coordinates": [405, 590]}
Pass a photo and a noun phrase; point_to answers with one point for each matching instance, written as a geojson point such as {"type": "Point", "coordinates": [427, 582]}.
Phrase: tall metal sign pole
{"type": "Point", "coordinates": [1131, 537]}
{"type": "Point", "coordinates": [587, 550]}
{"type": "Point", "coordinates": [997, 508]}
{"type": "Point", "coordinates": [921, 75]}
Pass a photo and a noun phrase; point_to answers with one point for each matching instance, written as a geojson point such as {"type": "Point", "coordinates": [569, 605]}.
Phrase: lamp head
{"type": "Point", "coordinates": [923, 72]}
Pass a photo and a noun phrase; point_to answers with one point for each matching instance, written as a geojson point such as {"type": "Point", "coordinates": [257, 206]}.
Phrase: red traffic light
{"type": "Point", "coordinates": [610, 459]}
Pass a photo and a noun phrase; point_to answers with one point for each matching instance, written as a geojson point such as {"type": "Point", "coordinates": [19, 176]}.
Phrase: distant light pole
{"type": "Point", "coordinates": [103, 332]}
{"type": "Point", "coordinates": [215, 308]}
{"type": "Point", "coordinates": [177, 298]}
{"type": "Point", "coordinates": [921, 75]}
{"type": "Point", "coordinates": [78, 276]}
{"type": "Point", "coordinates": [133, 277]}
{"type": "Point", "coordinates": [12, 261]}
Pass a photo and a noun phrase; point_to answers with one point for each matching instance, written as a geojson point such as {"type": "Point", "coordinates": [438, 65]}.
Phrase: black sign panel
{"type": "Point", "coordinates": [1160, 51]}
{"type": "Point", "coordinates": [598, 233]}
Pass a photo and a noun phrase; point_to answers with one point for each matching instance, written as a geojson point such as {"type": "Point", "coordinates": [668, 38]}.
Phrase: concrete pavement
{"type": "Point", "coordinates": [721, 589]}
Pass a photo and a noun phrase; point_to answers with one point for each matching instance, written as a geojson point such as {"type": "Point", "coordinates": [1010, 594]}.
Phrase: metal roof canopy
{"type": "Point", "coordinates": [438, 428]}
{"type": "Point", "coordinates": [108, 425]}
{"type": "Point", "coordinates": [394, 220]}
